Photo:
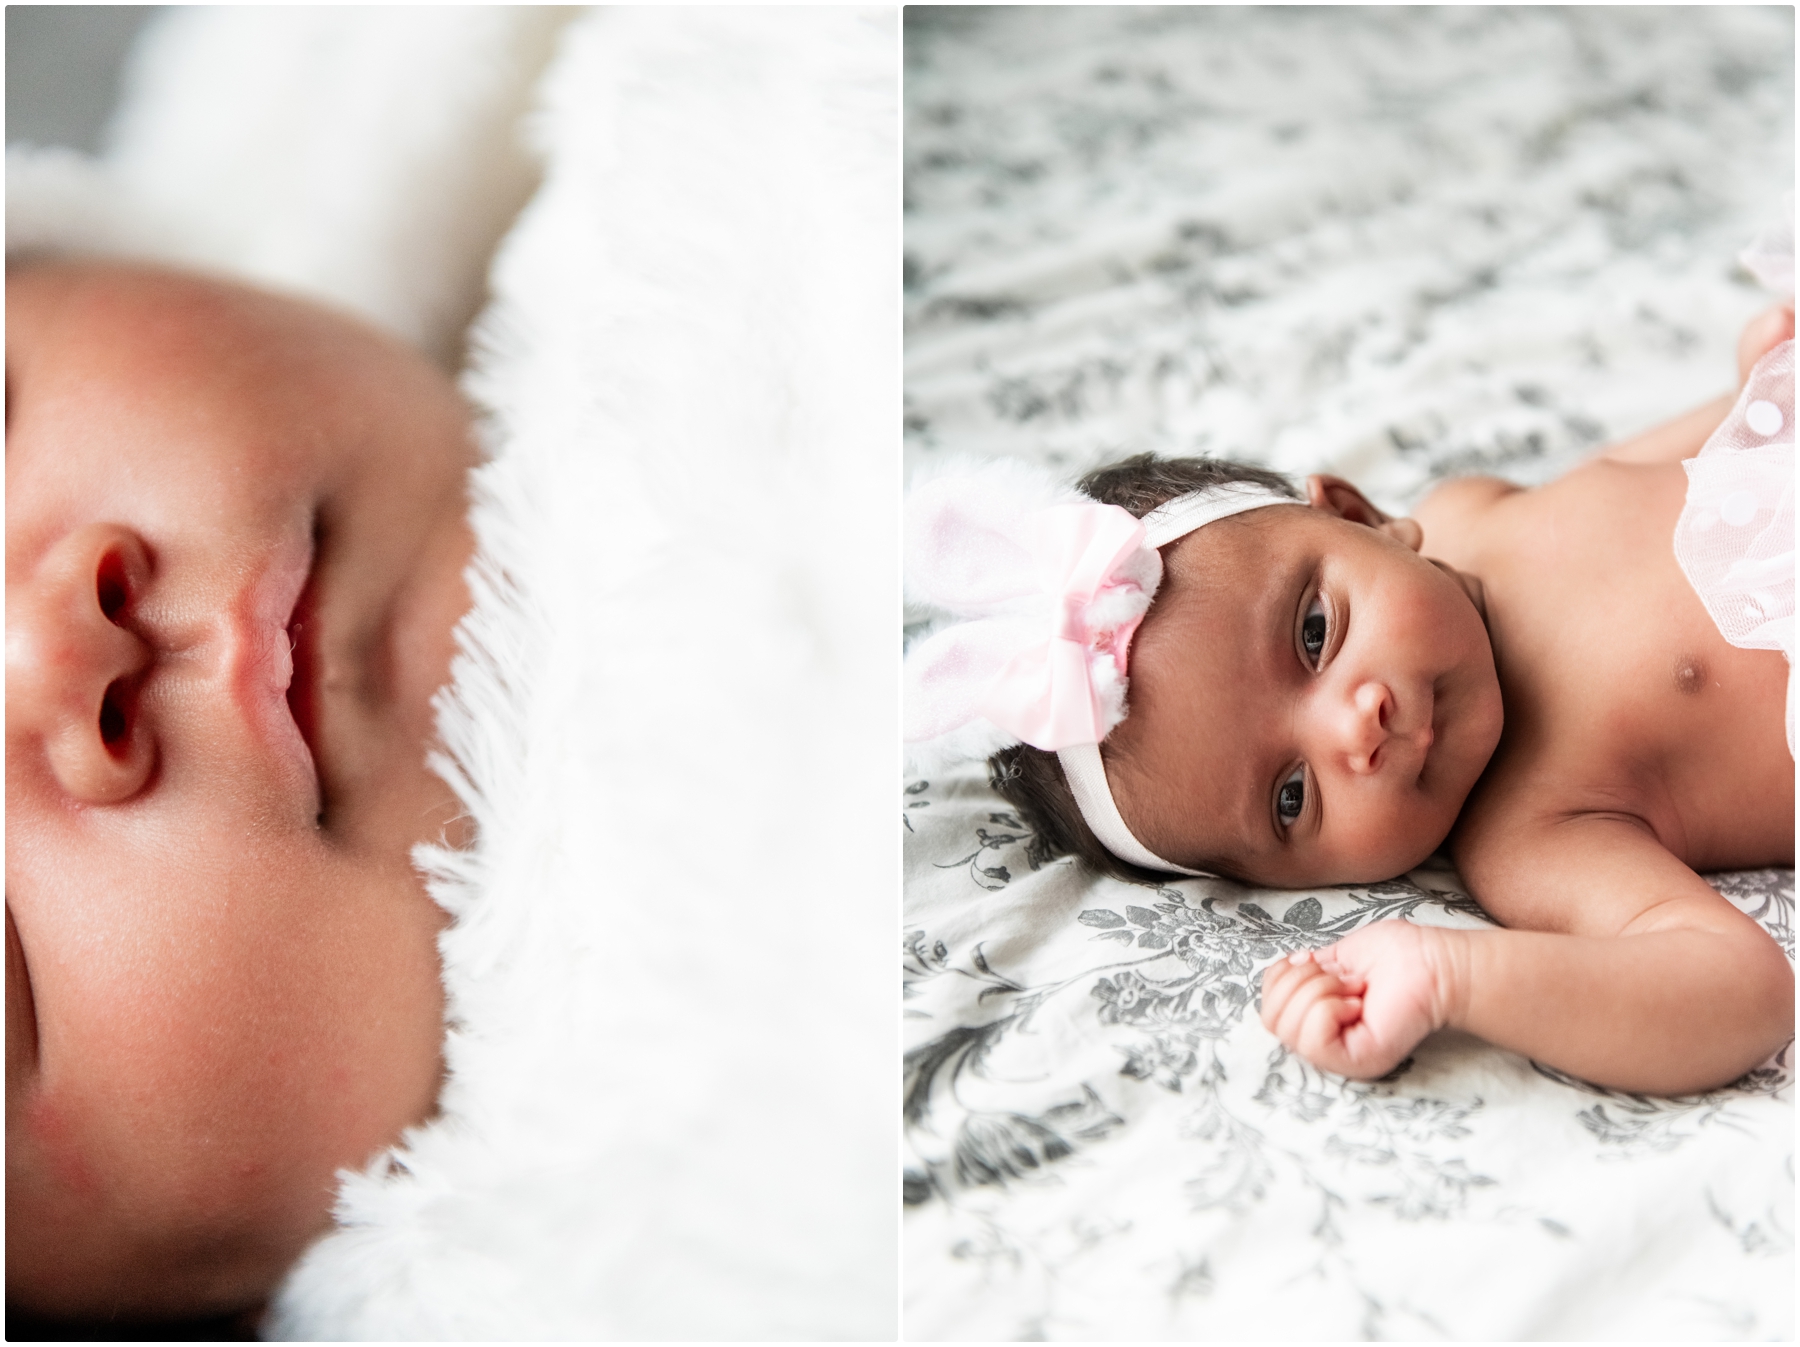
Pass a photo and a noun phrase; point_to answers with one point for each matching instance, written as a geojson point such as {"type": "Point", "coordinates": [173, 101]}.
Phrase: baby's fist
{"type": "Point", "coordinates": [1358, 1007]}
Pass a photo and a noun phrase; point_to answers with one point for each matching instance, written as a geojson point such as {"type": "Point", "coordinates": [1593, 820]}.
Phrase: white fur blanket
{"type": "Point", "coordinates": [669, 1107]}
{"type": "Point", "coordinates": [1397, 244]}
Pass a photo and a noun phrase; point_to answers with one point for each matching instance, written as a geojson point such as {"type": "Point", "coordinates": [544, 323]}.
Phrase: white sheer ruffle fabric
{"type": "Point", "coordinates": [1735, 537]}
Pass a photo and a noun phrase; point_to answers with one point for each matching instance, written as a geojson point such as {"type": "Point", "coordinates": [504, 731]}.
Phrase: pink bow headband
{"type": "Point", "coordinates": [1051, 587]}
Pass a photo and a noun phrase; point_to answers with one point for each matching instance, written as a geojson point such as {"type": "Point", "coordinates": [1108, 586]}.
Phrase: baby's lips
{"type": "Point", "coordinates": [281, 667]}
{"type": "Point", "coordinates": [274, 669]}
{"type": "Point", "coordinates": [302, 631]}
{"type": "Point", "coordinates": [1420, 740]}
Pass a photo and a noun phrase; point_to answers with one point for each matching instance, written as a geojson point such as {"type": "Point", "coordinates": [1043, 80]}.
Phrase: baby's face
{"type": "Point", "coordinates": [1310, 701]}
{"type": "Point", "coordinates": [234, 542]}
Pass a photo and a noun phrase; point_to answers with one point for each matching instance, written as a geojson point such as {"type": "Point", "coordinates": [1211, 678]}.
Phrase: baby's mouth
{"type": "Point", "coordinates": [302, 633]}
{"type": "Point", "coordinates": [1426, 736]}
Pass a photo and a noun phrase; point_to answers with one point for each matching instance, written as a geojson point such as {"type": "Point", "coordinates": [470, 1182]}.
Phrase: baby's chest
{"type": "Point", "coordinates": [1621, 694]}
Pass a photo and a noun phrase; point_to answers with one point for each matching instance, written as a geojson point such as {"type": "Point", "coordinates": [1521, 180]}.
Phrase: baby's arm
{"type": "Point", "coordinates": [1684, 437]}
{"type": "Point", "coordinates": [1452, 507]}
{"type": "Point", "coordinates": [1634, 974]}
{"type": "Point", "coordinates": [1672, 441]}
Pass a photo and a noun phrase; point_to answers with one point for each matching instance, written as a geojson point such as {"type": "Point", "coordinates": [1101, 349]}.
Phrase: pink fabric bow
{"type": "Point", "coordinates": [1057, 593]}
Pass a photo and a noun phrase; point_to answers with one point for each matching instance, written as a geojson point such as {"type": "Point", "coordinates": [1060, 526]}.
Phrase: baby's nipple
{"type": "Point", "coordinates": [1690, 675]}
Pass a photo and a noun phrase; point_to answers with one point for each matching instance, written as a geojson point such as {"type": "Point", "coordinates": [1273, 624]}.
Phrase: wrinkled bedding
{"type": "Point", "coordinates": [1400, 246]}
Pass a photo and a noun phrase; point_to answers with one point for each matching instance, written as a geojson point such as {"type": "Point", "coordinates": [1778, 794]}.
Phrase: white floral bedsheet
{"type": "Point", "coordinates": [1399, 245]}
{"type": "Point", "coordinates": [1103, 1141]}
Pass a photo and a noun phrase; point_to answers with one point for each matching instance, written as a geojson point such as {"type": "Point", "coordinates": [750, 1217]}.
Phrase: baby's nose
{"type": "Point", "coordinates": [1363, 725]}
{"type": "Point", "coordinates": [73, 664]}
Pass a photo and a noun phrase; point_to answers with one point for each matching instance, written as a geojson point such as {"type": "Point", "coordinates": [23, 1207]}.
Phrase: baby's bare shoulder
{"type": "Point", "coordinates": [1459, 508]}
{"type": "Point", "coordinates": [1579, 871]}
{"type": "Point", "coordinates": [1463, 497]}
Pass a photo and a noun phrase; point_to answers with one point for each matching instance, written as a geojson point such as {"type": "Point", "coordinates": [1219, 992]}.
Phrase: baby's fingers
{"type": "Point", "coordinates": [1280, 980]}
{"type": "Point", "coordinates": [1329, 961]}
{"type": "Point", "coordinates": [1367, 1055]}
{"type": "Point", "coordinates": [1321, 1034]}
{"type": "Point", "coordinates": [1303, 990]}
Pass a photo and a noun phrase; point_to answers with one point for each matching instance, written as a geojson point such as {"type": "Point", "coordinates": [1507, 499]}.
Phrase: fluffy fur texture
{"type": "Point", "coordinates": [664, 1116]}
{"type": "Point", "coordinates": [973, 552]}
{"type": "Point", "coordinates": [945, 730]}
{"type": "Point", "coordinates": [668, 1110]}
{"type": "Point", "coordinates": [368, 158]}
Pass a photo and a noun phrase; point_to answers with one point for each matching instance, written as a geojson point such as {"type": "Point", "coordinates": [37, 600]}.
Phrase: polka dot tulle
{"type": "Point", "coordinates": [1735, 537]}
{"type": "Point", "coordinates": [1764, 417]}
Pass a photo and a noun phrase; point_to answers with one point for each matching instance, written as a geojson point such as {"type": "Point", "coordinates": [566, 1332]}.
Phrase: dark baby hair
{"type": "Point", "coordinates": [1031, 779]}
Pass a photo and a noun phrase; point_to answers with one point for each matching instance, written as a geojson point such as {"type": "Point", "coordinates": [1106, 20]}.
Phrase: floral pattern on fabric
{"type": "Point", "coordinates": [1098, 1128]}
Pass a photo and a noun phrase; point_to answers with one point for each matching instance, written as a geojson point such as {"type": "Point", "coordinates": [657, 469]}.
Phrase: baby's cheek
{"type": "Point", "coordinates": [1394, 836]}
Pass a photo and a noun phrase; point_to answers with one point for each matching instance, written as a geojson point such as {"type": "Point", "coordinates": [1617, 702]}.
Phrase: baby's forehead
{"type": "Point", "coordinates": [1208, 654]}
{"type": "Point", "coordinates": [1258, 557]}
{"type": "Point", "coordinates": [1219, 639]}
{"type": "Point", "coordinates": [180, 361]}
{"type": "Point", "coordinates": [1231, 568]}
{"type": "Point", "coordinates": [100, 320]}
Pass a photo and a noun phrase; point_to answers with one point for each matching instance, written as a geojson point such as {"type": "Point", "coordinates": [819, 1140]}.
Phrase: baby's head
{"type": "Point", "coordinates": [234, 542]}
{"type": "Point", "coordinates": [1310, 700]}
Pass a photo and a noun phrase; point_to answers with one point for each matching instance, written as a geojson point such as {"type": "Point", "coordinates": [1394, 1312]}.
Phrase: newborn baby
{"type": "Point", "coordinates": [235, 537]}
{"type": "Point", "coordinates": [1640, 748]}
{"type": "Point", "coordinates": [1319, 694]}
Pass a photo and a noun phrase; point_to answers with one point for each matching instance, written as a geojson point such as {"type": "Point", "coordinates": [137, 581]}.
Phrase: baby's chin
{"type": "Point", "coordinates": [118, 1268]}
{"type": "Point", "coordinates": [1390, 862]}
{"type": "Point", "coordinates": [1382, 864]}
{"type": "Point", "coordinates": [193, 1203]}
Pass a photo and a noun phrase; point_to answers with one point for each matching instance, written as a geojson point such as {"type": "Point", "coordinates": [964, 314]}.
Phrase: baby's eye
{"type": "Point", "coordinates": [1290, 800]}
{"type": "Point", "coordinates": [1312, 630]}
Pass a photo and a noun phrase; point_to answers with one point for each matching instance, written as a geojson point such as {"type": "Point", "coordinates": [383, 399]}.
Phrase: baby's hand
{"type": "Point", "coordinates": [1358, 1007]}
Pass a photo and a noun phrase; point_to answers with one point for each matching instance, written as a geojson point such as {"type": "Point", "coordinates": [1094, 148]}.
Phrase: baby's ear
{"type": "Point", "coordinates": [1336, 496]}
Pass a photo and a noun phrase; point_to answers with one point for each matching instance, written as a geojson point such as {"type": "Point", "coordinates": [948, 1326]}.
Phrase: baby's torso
{"type": "Point", "coordinates": [1621, 696]}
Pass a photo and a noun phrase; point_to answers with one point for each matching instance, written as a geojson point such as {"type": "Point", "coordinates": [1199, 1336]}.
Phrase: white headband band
{"type": "Point", "coordinates": [1056, 586]}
